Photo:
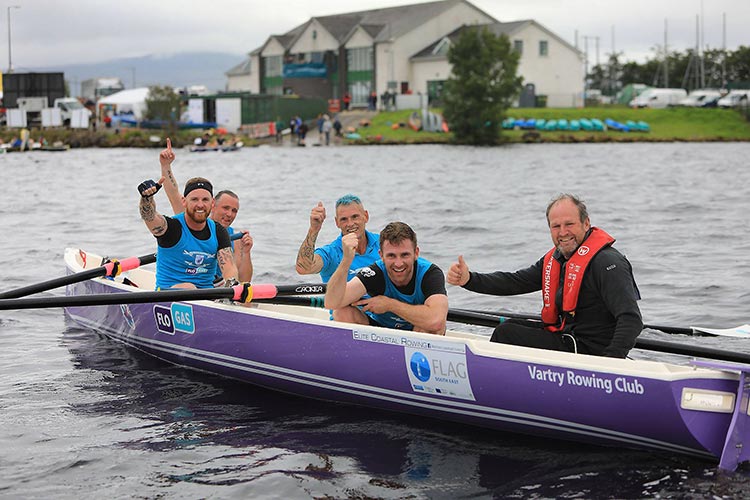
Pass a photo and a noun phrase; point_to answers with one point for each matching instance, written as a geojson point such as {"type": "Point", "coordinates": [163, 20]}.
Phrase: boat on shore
{"type": "Point", "coordinates": [698, 409]}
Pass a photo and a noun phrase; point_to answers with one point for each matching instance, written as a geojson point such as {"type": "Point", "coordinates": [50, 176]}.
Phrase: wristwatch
{"type": "Point", "coordinates": [231, 282]}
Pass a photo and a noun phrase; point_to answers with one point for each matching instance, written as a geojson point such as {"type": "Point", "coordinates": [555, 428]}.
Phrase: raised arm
{"type": "Point", "coordinates": [339, 292]}
{"type": "Point", "coordinates": [242, 257]}
{"type": "Point", "coordinates": [308, 262]}
{"type": "Point", "coordinates": [155, 222]}
{"type": "Point", "coordinates": [166, 157]}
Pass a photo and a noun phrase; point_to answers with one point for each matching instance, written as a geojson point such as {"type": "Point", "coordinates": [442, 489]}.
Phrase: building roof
{"type": "Point", "coordinates": [508, 29]}
{"type": "Point", "coordinates": [381, 24]}
{"type": "Point", "coordinates": [241, 69]}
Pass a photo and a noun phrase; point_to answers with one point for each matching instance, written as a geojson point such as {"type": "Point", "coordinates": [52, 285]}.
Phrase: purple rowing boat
{"type": "Point", "coordinates": [699, 409]}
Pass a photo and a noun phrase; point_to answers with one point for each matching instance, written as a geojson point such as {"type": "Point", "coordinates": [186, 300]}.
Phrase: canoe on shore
{"type": "Point", "coordinates": [686, 409]}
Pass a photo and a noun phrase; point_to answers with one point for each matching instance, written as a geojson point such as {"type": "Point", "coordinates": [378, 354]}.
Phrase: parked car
{"type": "Point", "coordinates": [699, 97]}
{"type": "Point", "coordinates": [658, 98]}
{"type": "Point", "coordinates": [734, 98]}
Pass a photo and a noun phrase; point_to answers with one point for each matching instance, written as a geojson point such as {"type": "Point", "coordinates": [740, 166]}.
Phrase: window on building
{"type": "Point", "coordinates": [273, 65]}
{"type": "Point", "coordinates": [543, 48]}
{"type": "Point", "coordinates": [442, 47]}
{"type": "Point", "coordinates": [360, 92]}
{"type": "Point", "coordinates": [359, 59]}
{"type": "Point", "coordinates": [518, 46]}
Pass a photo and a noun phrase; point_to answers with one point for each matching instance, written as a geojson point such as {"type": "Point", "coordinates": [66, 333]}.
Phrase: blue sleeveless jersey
{"type": "Point", "coordinates": [190, 261]}
{"type": "Point", "coordinates": [332, 254]}
{"type": "Point", "coordinates": [417, 297]}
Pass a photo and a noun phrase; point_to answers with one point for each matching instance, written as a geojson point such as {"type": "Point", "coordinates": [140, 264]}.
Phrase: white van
{"type": "Point", "coordinates": [699, 97]}
{"type": "Point", "coordinates": [658, 98]}
{"type": "Point", "coordinates": [735, 98]}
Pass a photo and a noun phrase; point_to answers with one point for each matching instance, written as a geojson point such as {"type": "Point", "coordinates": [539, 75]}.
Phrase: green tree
{"type": "Point", "coordinates": [482, 85]}
{"type": "Point", "coordinates": [163, 103]}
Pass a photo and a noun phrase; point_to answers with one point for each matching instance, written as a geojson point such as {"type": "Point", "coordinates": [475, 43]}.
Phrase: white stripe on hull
{"type": "Point", "coordinates": [391, 396]}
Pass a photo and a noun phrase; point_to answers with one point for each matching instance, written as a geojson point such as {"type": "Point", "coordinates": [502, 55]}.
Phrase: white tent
{"type": "Point", "coordinates": [126, 101]}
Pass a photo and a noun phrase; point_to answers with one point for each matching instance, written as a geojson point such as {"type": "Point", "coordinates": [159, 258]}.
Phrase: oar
{"type": "Point", "coordinates": [742, 331]}
{"type": "Point", "coordinates": [493, 319]}
{"type": "Point", "coordinates": [112, 269]}
{"type": "Point", "coordinates": [242, 292]}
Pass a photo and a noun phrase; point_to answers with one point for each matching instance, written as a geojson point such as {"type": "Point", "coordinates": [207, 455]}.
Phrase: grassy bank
{"type": "Point", "coordinates": [672, 124]}
{"type": "Point", "coordinates": [108, 138]}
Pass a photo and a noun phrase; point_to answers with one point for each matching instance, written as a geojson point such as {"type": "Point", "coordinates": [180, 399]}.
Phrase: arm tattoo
{"type": "Point", "coordinates": [306, 252]}
{"type": "Point", "coordinates": [147, 208]}
{"type": "Point", "coordinates": [172, 181]}
{"type": "Point", "coordinates": [224, 256]}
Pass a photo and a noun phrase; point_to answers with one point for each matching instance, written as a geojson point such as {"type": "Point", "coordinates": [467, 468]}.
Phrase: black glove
{"type": "Point", "coordinates": [143, 186]}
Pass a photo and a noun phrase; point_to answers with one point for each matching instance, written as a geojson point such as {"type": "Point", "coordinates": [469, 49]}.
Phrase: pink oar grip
{"type": "Point", "coordinates": [264, 291]}
{"type": "Point", "coordinates": [129, 263]}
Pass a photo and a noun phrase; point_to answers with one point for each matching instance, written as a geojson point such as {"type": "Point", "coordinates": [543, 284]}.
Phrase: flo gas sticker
{"type": "Point", "coordinates": [182, 314]}
{"type": "Point", "coordinates": [163, 318]}
{"type": "Point", "coordinates": [177, 318]}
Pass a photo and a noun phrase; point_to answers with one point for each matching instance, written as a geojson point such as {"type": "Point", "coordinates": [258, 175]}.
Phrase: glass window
{"type": "Point", "coordinates": [359, 59]}
{"type": "Point", "coordinates": [273, 66]}
{"type": "Point", "coordinates": [518, 46]}
{"type": "Point", "coordinates": [543, 48]}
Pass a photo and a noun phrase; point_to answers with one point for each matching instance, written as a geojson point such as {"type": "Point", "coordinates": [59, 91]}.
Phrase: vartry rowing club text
{"type": "Point", "coordinates": [592, 380]}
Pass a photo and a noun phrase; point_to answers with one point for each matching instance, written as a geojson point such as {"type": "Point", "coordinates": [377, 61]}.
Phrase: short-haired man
{"type": "Point", "coordinates": [351, 218]}
{"type": "Point", "coordinates": [226, 208]}
{"type": "Point", "coordinates": [589, 294]}
{"type": "Point", "coordinates": [191, 246]}
{"type": "Point", "coordinates": [405, 291]}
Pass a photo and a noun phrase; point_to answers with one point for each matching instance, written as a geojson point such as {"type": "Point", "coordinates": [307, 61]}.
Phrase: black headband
{"type": "Point", "coordinates": [198, 185]}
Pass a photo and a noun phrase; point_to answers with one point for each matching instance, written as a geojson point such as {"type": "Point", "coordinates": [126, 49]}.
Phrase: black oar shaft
{"type": "Point", "coordinates": [689, 350]}
{"type": "Point", "coordinates": [67, 280]}
{"type": "Point", "coordinates": [117, 298]}
{"type": "Point", "coordinates": [78, 277]}
{"type": "Point", "coordinates": [535, 317]}
{"type": "Point", "coordinates": [492, 320]}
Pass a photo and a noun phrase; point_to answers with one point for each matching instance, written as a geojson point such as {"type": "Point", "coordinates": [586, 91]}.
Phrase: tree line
{"type": "Point", "coordinates": [719, 69]}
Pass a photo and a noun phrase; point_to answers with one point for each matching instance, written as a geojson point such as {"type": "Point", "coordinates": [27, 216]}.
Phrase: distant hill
{"type": "Point", "coordinates": [177, 70]}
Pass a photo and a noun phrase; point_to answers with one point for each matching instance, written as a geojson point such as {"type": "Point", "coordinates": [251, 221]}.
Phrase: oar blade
{"type": "Point", "coordinates": [738, 331]}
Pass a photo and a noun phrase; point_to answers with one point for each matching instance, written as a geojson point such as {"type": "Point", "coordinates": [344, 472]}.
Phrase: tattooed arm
{"type": "Point", "coordinates": [155, 222]}
{"type": "Point", "coordinates": [308, 262]}
{"type": "Point", "coordinates": [226, 264]}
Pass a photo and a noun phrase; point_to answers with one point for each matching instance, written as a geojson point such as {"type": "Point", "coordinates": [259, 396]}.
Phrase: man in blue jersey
{"type": "Point", "coordinates": [226, 207]}
{"type": "Point", "coordinates": [191, 246]}
{"type": "Point", "coordinates": [351, 218]}
{"type": "Point", "coordinates": [405, 291]}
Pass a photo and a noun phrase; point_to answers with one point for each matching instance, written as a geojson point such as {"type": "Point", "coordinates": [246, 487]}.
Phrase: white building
{"type": "Point", "coordinates": [401, 49]}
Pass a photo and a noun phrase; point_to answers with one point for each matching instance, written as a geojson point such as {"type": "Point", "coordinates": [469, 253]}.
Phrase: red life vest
{"type": "Point", "coordinates": [553, 319]}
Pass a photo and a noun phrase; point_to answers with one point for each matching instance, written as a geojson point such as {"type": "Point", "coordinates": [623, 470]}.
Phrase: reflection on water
{"type": "Point", "coordinates": [84, 416]}
{"type": "Point", "coordinates": [219, 432]}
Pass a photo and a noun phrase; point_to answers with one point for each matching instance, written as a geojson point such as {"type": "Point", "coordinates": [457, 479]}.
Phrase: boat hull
{"type": "Point", "coordinates": [462, 378]}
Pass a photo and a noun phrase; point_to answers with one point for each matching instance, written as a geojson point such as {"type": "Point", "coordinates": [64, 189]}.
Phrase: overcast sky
{"type": "Point", "coordinates": [55, 32]}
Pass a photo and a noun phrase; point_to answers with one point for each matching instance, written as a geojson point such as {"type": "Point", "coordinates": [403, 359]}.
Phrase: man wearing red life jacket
{"type": "Point", "coordinates": [589, 294]}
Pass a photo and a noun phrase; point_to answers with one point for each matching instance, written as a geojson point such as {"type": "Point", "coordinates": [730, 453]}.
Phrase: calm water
{"type": "Point", "coordinates": [82, 416]}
